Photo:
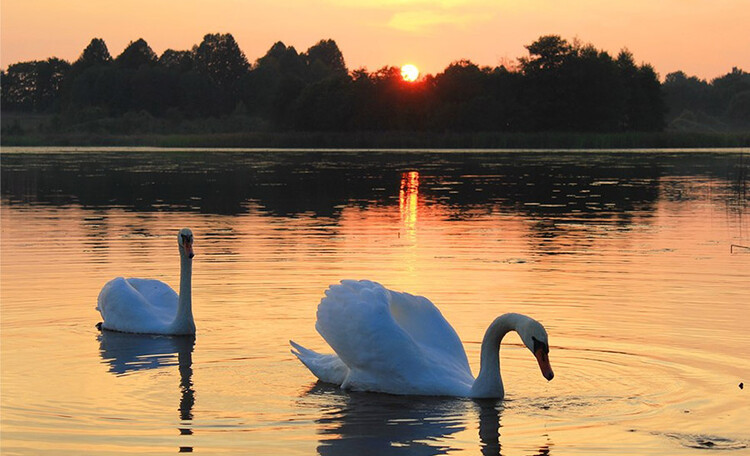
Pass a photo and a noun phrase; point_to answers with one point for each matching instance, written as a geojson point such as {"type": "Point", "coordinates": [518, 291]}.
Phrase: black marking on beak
{"type": "Point", "coordinates": [541, 353]}
{"type": "Point", "coordinates": [187, 244]}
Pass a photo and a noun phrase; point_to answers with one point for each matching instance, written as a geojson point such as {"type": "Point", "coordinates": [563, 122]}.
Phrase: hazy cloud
{"type": "Point", "coordinates": [419, 16]}
{"type": "Point", "coordinates": [426, 4]}
{"type": "Point", "coordinates": [421, 21]}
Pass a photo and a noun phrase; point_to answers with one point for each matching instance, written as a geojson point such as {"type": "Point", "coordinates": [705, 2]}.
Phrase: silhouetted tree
{"type": "Point", "coordinates": [650, 116]}
{"type": "Point", "coordinates": [558, 86]}
{"type": "Point", "coordinates": [178, 61]}
{"type": "Point", "coordinates": [33, 86]}
{"type": "Point", "coordinates": [96, 53]}
{"type": "Point", "coordinates": [283, 60]}
{"type": "Point", "coordinates": [324, 59]}
{"type": "Point", "coordinates": [462, 96]}
{"type": "Point", "coordinates": [546, 53]}
{"type": "Point", "coordinates": [324, 105]}
{"type": "Point", "coordinates": [579, 88]}
{"type": "Point", "coordinates": [509, 112]}
{"type": "Point", "coordinates": [137, 53]}
{"type": "Point", "coordinates": [220, 58]}
{"type": "Point", "coordinates": [543, 92]}
{"type": "Point", "coordinates": [591, 94]}
{"type": "Point", "coordinates": [686, 93]}
{"type": "Point", "coordinates": [729, 85]}
{"type": "Point", "coordinates": [695, 104]}
{"type": "Point", "coordinates": [273, 84]}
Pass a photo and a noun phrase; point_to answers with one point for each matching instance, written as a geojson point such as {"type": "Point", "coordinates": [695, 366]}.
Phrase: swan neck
{"type": "Point", "coordinates": [183, 322]}
{"type": "Point", "coordinates": [489, 382]}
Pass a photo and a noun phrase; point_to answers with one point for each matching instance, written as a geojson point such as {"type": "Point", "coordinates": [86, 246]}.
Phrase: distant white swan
{"type": "Point", "coordinates": [397, 343]}
{"type": "Point", "coordinates": [148, 306]}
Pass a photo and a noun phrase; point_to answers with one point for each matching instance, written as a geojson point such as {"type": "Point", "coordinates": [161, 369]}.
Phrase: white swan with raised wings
{"type": "Point", "coordinates": [393, 342]}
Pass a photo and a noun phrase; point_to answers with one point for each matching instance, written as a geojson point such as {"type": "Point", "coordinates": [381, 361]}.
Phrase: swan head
{"type": "Point", "coordinates": [534, 336]}
{"type": "Point", "coordinates": [185, 241]}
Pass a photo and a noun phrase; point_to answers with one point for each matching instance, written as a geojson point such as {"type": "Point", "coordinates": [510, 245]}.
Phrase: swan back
{"type": "Point", "coordinates": [137, 305]}
{"type": "Point", "coordinates": [392, 342]}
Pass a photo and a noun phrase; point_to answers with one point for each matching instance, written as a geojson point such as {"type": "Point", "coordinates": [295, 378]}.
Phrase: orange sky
{"type": "Point", "coordinates": [701, 37]}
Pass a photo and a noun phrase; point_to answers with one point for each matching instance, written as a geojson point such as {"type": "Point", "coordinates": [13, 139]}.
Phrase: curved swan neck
{"type": "Point", "coordinates": [183, 322]}
{"type": "Point", "coordinates": [489, 383]}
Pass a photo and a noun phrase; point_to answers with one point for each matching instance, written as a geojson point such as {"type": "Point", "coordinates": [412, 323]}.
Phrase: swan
{"type": "Point", "coordinates": [393, 342]}
{"type": "Point", "coordinates": [148, 306]}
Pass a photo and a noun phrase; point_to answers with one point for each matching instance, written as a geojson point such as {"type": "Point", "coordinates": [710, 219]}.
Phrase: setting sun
{"type": "Point", "coordinates": [409, 72]}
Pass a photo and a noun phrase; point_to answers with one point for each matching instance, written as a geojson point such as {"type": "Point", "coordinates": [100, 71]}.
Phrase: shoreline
{"type": "Point", "coordinates": [157, 149]}
{"type": "Point", "coordinates": [394, 140]}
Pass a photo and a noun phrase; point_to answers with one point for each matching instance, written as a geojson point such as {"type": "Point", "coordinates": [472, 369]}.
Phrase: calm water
{"type": "Point", "coordinates": [625, 257]}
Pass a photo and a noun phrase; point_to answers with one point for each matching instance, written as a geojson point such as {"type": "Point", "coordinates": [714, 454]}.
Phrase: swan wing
{"type": "Point", "coordinates": [392, 342]}
{"type": "Point", "coordinates": [158, 294]}
{"type": "Point", "coordinates": [422, 320]}
{"type": "Point", "coordinates": [136, 305]}
{"type": "Point", "coordinates": [328, 368]}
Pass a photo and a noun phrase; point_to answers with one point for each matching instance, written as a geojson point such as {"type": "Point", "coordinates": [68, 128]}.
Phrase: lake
{"type": "Point", "coordinates": [636, 262]}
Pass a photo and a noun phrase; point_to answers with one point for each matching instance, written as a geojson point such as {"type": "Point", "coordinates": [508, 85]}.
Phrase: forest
{"type": "Point", "coordinates": [560, 86]}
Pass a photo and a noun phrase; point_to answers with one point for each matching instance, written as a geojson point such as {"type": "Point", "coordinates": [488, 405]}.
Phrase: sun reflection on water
{"type": "Point", "coordinates": [408, 202]}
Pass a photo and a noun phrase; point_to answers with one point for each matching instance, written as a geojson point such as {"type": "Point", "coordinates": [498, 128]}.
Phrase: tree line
{"type": "Point", "coordinates": [719, 105]}
{"type": "Point", "coordinates": [558, 86]}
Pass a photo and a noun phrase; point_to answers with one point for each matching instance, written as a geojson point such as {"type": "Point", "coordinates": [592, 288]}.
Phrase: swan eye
{"type": "Point", "coordinates": [538, 345]}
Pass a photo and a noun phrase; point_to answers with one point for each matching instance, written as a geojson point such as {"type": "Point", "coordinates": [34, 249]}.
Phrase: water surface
{"type": "Point", "coordinates": [626, 258]}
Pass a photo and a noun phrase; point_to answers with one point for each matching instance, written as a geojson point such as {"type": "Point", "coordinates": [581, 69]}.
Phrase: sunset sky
{"type": "Point", "coordinates": [705, 38]}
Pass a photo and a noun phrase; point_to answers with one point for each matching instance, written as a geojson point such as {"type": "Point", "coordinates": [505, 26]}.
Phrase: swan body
{"type": "Point", "coordinates": [148, 306]}
{"type": "Point", "coordinates": [393, 342]}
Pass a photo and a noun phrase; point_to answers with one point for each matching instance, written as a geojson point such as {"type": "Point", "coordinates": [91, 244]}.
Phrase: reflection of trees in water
{"type": "Point", "coordinates": [128, 353]}
{"type": "Point", "coordinates": [586, 186]}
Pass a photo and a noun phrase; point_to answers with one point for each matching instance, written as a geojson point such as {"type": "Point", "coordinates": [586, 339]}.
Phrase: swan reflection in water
{"type": "Point", "coordinates": [129, 353]}
{"type": "Point", "coordinates": [375, 424]}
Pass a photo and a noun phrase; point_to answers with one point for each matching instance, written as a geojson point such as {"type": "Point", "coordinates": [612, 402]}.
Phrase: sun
{"type": "Point", "coordinates": [409, 72]}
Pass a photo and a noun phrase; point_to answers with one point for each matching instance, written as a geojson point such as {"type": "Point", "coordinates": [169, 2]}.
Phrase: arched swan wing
{"type": "Point", "coordinates": [422, 320]}
{"type": "Point", "coordinates": [355, 319]}
{"type": "Point", "coordinates": [392, 342]}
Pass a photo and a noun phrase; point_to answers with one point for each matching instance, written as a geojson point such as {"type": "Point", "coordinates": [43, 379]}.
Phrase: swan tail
{"type": "Point", "coordinates": [328, 368]}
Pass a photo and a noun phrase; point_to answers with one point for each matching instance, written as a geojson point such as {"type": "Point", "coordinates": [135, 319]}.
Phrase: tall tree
{"type": "Point", "coordinates": [220, 58]}
{"type": "Point", "coordinates": [96, 53]}
{"type": "Point", "coordinates": [274, 83]}
{"type": "Point", "coordinates": [462, 93]}
{"type": "Point", "coordinates": [546, 53]}
{"type": "Point", "coordinates": [137, 53]}
{"type": "Point", "coordinates": [542, 91]}
{"type": "Point", "coordinates": [325, 60]}
{"type": "Point", "coordinates": [651, 116]}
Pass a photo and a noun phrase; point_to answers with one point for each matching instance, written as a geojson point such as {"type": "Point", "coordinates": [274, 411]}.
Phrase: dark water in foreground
{"type": "Point", "coordinates": [626, 258]}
